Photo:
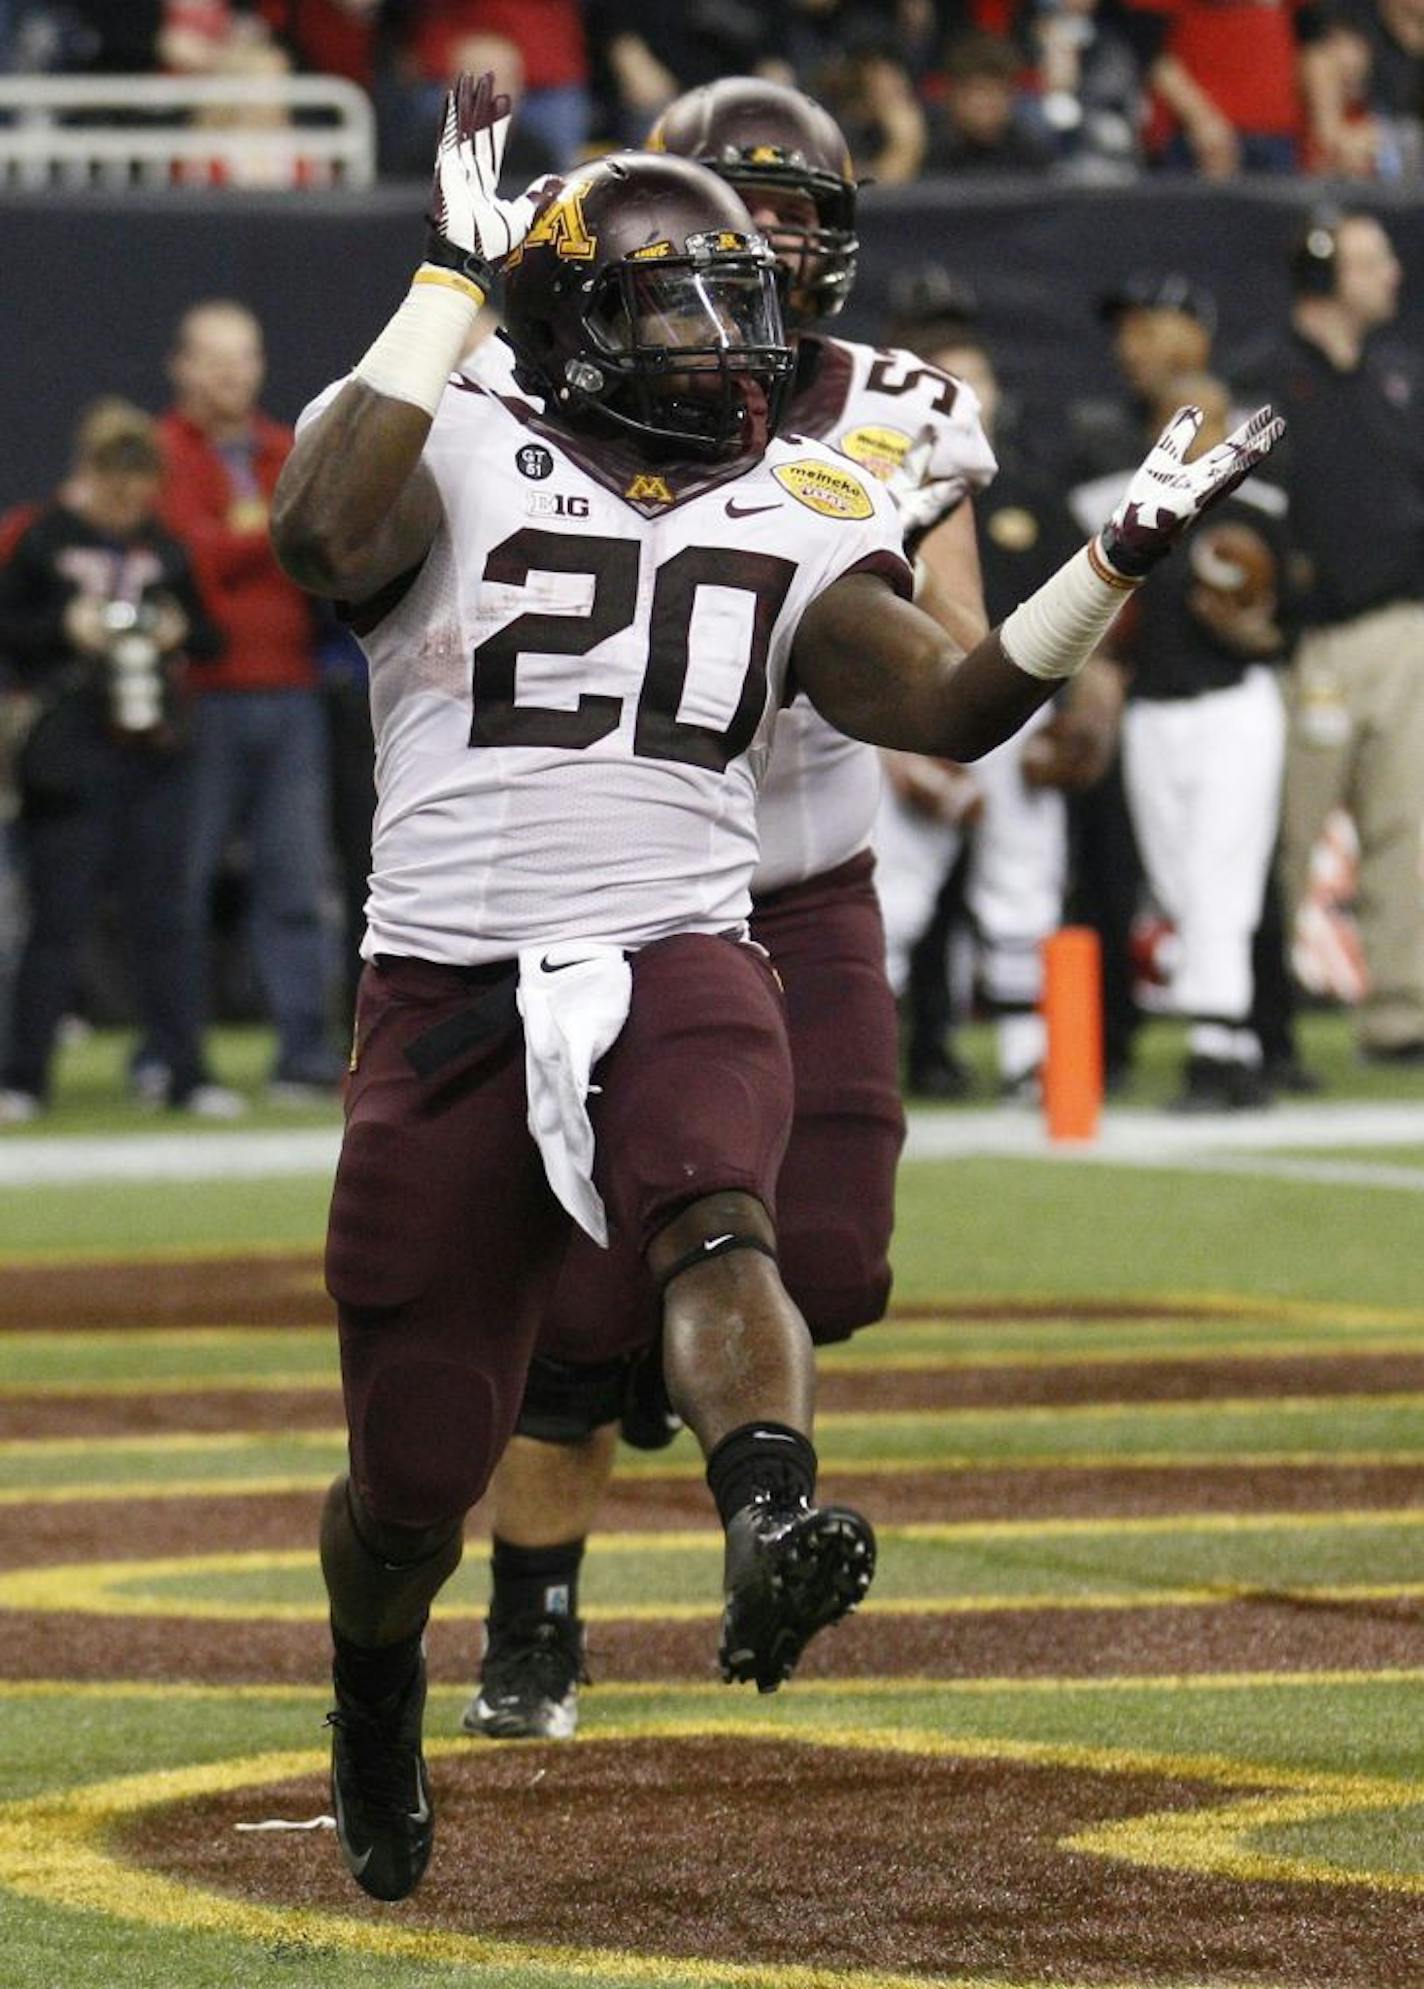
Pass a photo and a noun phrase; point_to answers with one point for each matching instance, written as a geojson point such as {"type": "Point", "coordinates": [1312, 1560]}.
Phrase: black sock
{"type": "Point", "coordinates": [760, 1458]}
{"type": "Point", "coordinates": [534, 1581]}
{"type": "Point", "coordinates": [375, 1672]}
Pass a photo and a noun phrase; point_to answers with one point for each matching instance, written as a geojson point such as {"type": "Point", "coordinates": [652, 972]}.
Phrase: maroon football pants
{"type": "Point", "coordinates": [445, 1244]}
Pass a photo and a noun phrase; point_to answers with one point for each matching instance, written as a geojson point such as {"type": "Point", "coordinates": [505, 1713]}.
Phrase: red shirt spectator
{"type": "Point", "coordinates": [547, 33]}
{"type": "Point", "coordinates": [223, 457]}
{"type": "Point", "coordinates": [1226, 73]}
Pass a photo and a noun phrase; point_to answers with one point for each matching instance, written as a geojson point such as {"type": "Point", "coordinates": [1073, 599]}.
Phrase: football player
{"type": "Point", "coordinates": [814, 909]}
{"type": "Point", "coordinates": [581, 619]}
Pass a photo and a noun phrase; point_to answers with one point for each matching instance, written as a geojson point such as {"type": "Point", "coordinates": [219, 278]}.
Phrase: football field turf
{"type": "Point", "coordinates": [1137, 1699]}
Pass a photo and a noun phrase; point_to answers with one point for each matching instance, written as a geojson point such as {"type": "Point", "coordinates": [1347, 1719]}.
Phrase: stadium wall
{"type": "Point", "coordinates": [95, 282]}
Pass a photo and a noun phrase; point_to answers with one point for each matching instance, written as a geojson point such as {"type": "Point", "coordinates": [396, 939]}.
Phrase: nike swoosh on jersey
{"type": "Point", "coordinates": [735, 510]}
{"type": "Point", "coordinates": [549, 966]}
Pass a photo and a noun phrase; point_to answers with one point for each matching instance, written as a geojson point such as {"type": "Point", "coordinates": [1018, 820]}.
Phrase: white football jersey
{"type": "Point", "coordinates": [822, 791]}
{"type": "Point", "coordinates": [574, 698]}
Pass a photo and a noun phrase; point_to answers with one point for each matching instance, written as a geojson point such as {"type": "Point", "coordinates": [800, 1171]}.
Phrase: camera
{"type": "Point", "coordinates": [134, 666]}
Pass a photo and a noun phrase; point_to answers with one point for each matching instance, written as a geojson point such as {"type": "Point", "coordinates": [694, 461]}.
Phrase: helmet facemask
{"type": "Point", "coordinates": [686, 352]}
{"type": "Point", "coordinates": [818, 261]}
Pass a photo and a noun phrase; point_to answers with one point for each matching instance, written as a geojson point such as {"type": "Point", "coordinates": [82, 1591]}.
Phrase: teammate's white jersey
{"type": "Point", "coordinates": [821, 794]}
{"type": "Point", "coordinates": [573, 701]}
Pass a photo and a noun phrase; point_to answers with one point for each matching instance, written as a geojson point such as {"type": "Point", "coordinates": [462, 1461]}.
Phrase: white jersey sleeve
{"type": "Point", "coordinates": [574, 696]}
{"type": "Point", "coordinates": [821, 795]}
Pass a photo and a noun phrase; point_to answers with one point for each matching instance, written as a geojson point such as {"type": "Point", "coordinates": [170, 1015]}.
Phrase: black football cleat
{"type": "Point", "coordinates": [791, 1569]}
{"type": "Point", "coordinates": [529, 1680]}
{"type": "Point", "coordinates": [380, 1792]}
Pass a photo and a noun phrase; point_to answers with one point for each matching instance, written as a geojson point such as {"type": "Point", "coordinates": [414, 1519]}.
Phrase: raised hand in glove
{"type": "Point", "coordinates": [1168, 492]}
{"type": "Point", "coordinates": [472, 231]}
{"type": "Point", "coordinates": [921, 501]}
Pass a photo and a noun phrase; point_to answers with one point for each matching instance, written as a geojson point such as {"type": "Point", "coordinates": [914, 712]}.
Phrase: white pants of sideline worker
{"type": "Point", "coordinates": [1014, 890]}
{"type": "Point", "coordinates": [1203, 779]}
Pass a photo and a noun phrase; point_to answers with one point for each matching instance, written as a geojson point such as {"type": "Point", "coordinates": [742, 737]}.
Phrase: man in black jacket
{"type": "Point", "coordinates": [1354, 474]}
{"type": "Point", "coordinates": [98, 611]}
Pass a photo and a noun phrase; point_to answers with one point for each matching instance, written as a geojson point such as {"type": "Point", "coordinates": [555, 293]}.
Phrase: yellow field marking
{"type": "Point", "coordinates": [53, 1848]}
{"type": "Point", "coordinates": [914, 1686]}
{"type": "Point", "coordinates": [328, 1380]}
{"type": "Point", "coordinates": [866, 1359]}
{"type": "Point", "coordinates": [123, 1588]}
{"type": "Point", "coordinates": [298, 1382]}
{"type": "Point", "coordinates": [281, 1484]}
{"type": "Point", "coordinates": [1215, 1841]}
{"type": "Point", "coordinates": [1264, 1407]}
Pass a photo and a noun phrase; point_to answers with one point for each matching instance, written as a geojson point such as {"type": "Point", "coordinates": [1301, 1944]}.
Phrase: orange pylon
{"type": "Point", "coordinates": [1073, 1015]}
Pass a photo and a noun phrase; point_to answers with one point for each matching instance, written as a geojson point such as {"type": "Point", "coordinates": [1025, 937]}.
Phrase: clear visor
{"type": "Point", "coordinates": [688, 311]}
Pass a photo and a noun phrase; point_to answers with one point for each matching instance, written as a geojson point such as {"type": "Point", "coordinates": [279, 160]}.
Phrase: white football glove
{"type": "Point", "coordinates": [920, 500]}
{"type": "Point", "coordinates": [1167, 493]}
{"type": "Point", "coordinates": [472, 230]}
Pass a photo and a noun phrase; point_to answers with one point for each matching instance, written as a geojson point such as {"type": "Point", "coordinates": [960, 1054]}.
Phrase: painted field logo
{"type": "Point", "coordinates": [879, 450]}
{"type": "Point", "coordinates": [820, 487]}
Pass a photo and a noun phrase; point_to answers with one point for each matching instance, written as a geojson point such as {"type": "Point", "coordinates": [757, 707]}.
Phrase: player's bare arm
{"type": "Point", "coordinates": [354, 508]}
{"type": "Point", "coordinates": [881, 670]}
{"type": "Point", "coordinates": [949, 582]}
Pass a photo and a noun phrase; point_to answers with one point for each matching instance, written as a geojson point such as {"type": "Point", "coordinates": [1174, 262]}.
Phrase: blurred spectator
{"type": "Point", "coordinates": [981, 125]}
{"type": "Point", "coordinates": [537, 51]}
{"type": "Point", "coordinates": [653, 55]}
{"type": "Point", "coordinates": [868, 91]}
{"type": "Point", "coordinates": [331, 37]}
{"type": "Point", "coordinates": [1012, 817]}
{"type": "Point", "coordinates": [259, 729]}
{"type": "Point", "coordinates": [98, 615]}
{"type": "Point", "coordinates": [1090, 83]}
{"type": "Point", "coordinates": [1366, 86]}
{"type": "Point", "coordinates": [1225, 78]}
{"type": "Point", "coordinates": [1203, 748]}
{"type": "Point", "coordinates": [1163, 325]}
{"type": "Point", "coordinates": [1355, 419]}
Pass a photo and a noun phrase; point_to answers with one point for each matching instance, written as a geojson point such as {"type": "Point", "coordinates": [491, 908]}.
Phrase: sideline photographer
{"type": "Point", "coordinates": [99, 617]}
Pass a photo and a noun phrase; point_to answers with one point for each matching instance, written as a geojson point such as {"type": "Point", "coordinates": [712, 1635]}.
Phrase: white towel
{"type": "Point", "coordinates": [574, 999]}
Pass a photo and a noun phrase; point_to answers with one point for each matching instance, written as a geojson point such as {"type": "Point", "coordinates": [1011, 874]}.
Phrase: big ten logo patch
{"type": "Point", "coordinates": [562, 228]}
{"type": "Point", "coordinates": [829, 492]}
{"type": "Point", "coordinates": [534, 461]}
{"type": "Point", "coordinates": [555, 504]}
{"type": "Point", "coordinates": [882, 451]}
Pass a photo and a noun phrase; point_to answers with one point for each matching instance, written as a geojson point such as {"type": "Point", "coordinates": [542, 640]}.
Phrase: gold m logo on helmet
{"type": "Point", "coordinates": [562, 228]}
{"type": "Point", "coordinates": [766, 155]}
{"type": "Point", "coordinates": [648, 490]}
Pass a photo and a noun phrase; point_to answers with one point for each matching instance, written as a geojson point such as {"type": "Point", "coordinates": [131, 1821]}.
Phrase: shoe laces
{"type": "Point", "coordinates": [546, 1651]}
{"type": "Point", "coordinates": [381, 1759]}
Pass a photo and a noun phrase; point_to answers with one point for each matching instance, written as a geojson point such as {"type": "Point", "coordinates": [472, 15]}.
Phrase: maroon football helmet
{"type": "Point", "coordinates": [643, 300]}
{"type": "Point", "coordinates": [763, 136]}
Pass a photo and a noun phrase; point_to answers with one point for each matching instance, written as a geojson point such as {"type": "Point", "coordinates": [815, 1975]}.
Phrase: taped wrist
{"type": "Point", "coordinates": [1055, 631]}
{"type": "Point", "coordinates": [424, 342]}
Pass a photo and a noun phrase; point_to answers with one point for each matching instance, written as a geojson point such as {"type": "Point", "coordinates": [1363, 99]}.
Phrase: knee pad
{"type": "Point", "coordinates": [566, 1402]}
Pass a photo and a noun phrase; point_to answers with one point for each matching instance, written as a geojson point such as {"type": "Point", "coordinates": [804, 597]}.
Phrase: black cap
{"type": "Point", "coordinates": [1150, 290]}
{"type": "Point", "coordinates": [926, 292]}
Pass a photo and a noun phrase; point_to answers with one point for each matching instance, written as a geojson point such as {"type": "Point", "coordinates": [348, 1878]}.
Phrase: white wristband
{"type": "Point", "coordinates": [1056, 630]}
{"type": "Point", "coordinates": [425, 340]}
